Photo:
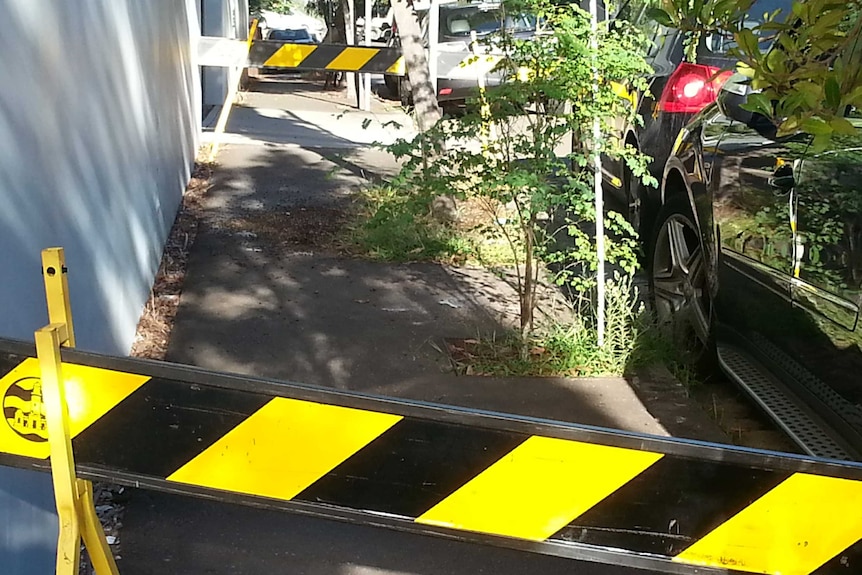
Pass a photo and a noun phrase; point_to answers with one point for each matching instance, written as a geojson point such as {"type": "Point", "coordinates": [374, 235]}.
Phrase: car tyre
{"type": "Point", "coordinates": [678, 272]}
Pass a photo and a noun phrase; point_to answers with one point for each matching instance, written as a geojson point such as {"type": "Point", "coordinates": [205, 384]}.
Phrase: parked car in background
{"type": "Point", "coordinates": [292, 20]}
{"type": "Point", "coordinates": [678, 90]}
{"type": "Point", "coordinates": [292, 35]}
{"type": "Point", "coordinates": [296, 36]}
{"type": "Point", "coordinates": [381, 23]}
{"type": "Point", "coordinates": [457, 71]}
{"type": "Point", "coordinates": [756, 261]}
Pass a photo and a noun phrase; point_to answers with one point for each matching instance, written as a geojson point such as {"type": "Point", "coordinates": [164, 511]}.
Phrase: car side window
{"type": "Point", "coordinates": [754, 213]}
{"type": "Point", "coordinates": [721, 44]}
{"type": "Point", "coordinates": [829, 208]}
{"type": "Point", "coordinates": [635, 11]}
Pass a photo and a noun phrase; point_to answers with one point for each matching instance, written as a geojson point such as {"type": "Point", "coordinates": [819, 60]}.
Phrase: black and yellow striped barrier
{"type": "Point", "coordinates": [334, 57]}
{"type": "Point", "coordinates": [586, 493]}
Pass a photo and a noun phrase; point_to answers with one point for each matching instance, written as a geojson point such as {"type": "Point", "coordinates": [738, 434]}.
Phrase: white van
{"type": "Point", "coordinates": [457, 71]}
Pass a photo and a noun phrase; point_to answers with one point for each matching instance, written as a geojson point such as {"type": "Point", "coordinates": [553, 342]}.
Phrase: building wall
{"type": "Point", "coordinates": [227, 19]}
{"type": "Point", "coordinates": [28, 522]}
{"type": "Point", "coordinates": [99, 123]}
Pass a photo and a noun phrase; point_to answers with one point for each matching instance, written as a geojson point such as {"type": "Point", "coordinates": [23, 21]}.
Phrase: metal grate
{"type": "Point", "coordinates": [804, 428]}
{"type": "Point", "coordinates": [850, 412]}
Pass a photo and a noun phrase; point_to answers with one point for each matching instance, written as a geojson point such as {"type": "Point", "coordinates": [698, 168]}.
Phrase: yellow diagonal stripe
{"type": "Point", "coordinates": [283, 448]}
{"type": "Point", "coordinates": [90, 393]}
{"type": "Point", "coordinates": [398, 67]}
{"type": "Point", "coordinates": [352, 59]}
{"type": "Point", "coordinates": [539, 487]}
{"type": "Point", "coordinates": [792, 530]}
{"type": "Point", "coordinates": [290, 55]}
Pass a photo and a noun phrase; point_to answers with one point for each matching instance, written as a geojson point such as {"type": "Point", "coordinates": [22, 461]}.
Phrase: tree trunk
{"type": "Point", "coordinates": [413, 50]}
{"type": "Point", "coordinates": [349, 22]}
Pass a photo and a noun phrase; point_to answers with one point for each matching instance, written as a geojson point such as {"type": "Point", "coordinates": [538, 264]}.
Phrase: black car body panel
{"type": "Point", "coordinates": [783, 228]}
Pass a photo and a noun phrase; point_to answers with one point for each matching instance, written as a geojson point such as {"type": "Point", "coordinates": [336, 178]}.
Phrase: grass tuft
{"type": "Point", "coordinates": [397, 226]}
{"type": "Point", "coordinates": [632, 341]}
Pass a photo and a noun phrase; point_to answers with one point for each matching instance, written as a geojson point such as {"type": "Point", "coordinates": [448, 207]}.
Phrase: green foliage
{"type": "Point", "coordinates": [399, 226]}
{"type": "Point", "coordinates": [506, 151]}
{"type": "Point", "coordinates": [806, 65]}
{"type": "Point", "coordinates": [571, 350]}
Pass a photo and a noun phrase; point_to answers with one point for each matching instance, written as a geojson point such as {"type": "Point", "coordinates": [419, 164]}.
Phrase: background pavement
{"type": "Point", "coordinates": [288, 110]}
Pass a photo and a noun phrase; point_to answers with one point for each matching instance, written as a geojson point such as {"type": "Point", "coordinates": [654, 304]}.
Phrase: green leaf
{"type": "Point", "coordinates": [759, 104]}
{"type": "Point", "coordinates": [776, 61]}
{"type": "Point", "coordinates": [816, 127]}
{"type": "Point", "coordinates": [746, 40]}
{"type": "Point", "coordinates": [660, 16]}
{"type": "Point", "coordinates": [723, 7]}
{"type": "Point", "coordinates": [790, 104]}
{"type": "Point", "coordinates": [820, 143]}
{"type": "Point", "coordinates": [789, 126]}
{"type": "Point", "coordinates": [833, 93]}
{"type": "Point", "coordinates": [826, 22]}
{"type": "Point", "coordinates": [855, 97]}
{"type": "Point", "coordinates": [843, 127]}
{"type": "Point", "coordinates": [813, 93]}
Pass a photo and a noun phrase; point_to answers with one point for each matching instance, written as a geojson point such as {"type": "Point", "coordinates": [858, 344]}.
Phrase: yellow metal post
{"type": "Point", "coordinates": [62, 465]}
{"type": "Point", "coordinates": [57, 291]}
{"type": "Point", "coordinates": [92, 532]}
{"type": "Point", "coordinates": [74, 497]}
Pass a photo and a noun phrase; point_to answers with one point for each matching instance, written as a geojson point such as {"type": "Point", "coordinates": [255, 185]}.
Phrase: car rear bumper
{"type": "Point", "coordinates": [456, 91]}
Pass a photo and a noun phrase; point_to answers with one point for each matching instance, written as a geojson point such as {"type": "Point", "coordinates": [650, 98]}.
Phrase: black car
{"type": "Point", "coordinates": [677, 91]}
{"type": "Point", "coordinates": [756, 260]}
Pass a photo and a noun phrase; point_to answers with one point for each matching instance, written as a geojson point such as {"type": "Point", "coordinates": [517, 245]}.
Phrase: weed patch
{"type": "Point", "coordinates": [632, 341]}
{"type": "Point", "coordinates": [395, 224]}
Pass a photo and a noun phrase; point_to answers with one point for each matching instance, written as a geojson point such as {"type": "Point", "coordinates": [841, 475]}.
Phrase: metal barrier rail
{"type": "Point", "coordinates": [560, 489]}
{"type": "Point", "coordinates": [329, 57]}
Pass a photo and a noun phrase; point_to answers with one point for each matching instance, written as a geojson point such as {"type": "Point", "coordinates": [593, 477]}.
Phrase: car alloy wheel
{"type": "Point", "coordinates": [678, 277]}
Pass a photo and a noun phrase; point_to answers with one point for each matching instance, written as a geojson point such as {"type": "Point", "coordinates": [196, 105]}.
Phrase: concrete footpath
{"type": "Point", "coordinates": [265, 295]}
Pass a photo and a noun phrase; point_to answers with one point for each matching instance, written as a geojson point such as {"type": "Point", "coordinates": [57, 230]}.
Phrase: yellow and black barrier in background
{"type": "Point", "coordinates": [331, 57]}
{"type": "Point", "coordinates": [580, 492]}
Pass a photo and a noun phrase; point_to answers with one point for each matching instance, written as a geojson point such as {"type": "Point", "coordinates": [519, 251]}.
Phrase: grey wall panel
{"type": "Point", "coordinates": [99, 120]}
{"type": "Point", "coordinates": [28, 544]}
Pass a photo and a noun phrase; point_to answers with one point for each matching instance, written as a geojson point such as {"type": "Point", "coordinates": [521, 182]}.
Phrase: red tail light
{"type": "Point", "coordinates": [691, 88]}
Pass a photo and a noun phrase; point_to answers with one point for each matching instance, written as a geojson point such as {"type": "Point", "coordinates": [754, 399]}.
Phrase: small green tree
{"type": "Point", "coordinates": [522, 150]}
{"type": "Point", "coordinates": [805, 65]}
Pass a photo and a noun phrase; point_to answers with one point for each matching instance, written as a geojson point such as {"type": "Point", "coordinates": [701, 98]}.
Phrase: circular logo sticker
{"type": "Point", "coordinates": [24, 411]}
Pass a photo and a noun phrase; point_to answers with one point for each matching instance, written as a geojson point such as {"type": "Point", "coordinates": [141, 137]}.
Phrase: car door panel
{"type": "Point", "coordinates": [827, 277]}
{"type": "Point", "coordinates": [754, 232]}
